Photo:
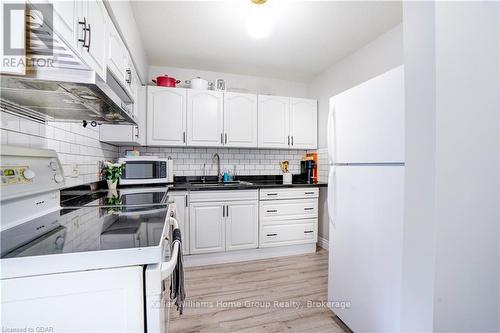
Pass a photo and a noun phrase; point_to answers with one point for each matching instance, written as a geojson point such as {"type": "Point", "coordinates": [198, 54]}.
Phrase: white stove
{"type": "Point", "coordinates": [107, 260]}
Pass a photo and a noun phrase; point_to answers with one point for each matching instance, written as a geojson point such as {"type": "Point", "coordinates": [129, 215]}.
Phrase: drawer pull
{"type": "Point", "coordinates": [309, 193]}
{"type": "Point", "coordinates": [271, 235]}
{"type": "Point", "coordinates": [308, 231]}
{"type": "Point", "coordinates": [272, 210]}
{"type": "Point", "coordinates": [309, 208]}
{"type": "Point", "coordinates": [272, 194]}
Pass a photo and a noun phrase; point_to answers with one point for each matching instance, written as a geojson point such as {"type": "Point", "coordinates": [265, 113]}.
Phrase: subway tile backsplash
{"type": "Point", "coordinates": [76, 146]}
{"type": "Point", "coordinates": [80, 147]}
{"type": "Point", "coordinates": [190, 161]}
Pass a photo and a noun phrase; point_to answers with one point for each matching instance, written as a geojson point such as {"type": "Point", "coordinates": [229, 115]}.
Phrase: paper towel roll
{"type": "Point", "coordinates": [170, 170]}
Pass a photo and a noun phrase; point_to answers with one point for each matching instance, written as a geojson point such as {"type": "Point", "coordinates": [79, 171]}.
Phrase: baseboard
{"type": "Point", "coordinates": [246, 255]}
{"type": "Point", "coordinates": [323, 243]}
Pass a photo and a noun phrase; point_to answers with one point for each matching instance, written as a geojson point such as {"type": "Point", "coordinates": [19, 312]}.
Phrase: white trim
{"type": "Point", "coordinates": [323, 243]}
{"type": "Point", "coordinates": [246, 255]}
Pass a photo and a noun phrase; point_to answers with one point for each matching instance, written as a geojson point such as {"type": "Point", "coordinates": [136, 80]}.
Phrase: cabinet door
{"type": "Point", "coordinates": [204, 118]}
{"type": "Point", "coordinates": [242, 225]}
{"type": "Point", "coordinates": [303, 123]}
{"type": "Point", "coordinates": [94, 51]}
{"type": "Point", "coordinates": [274, 121]}
{"type": "Point", "coordinates": [180, 200]}
{"type": "Point", "coordinates": [166, 116]}
{"type": "Point", "coordinates": [140, 110]}
{"type": "Point", "coordinates": [240, 120]}
{"type": "Point", "coordinates": [65, 21]}
{"type": "Point", "coordinates": [206, 227]}
{"type": "Point", "coordinates": [117, 59]}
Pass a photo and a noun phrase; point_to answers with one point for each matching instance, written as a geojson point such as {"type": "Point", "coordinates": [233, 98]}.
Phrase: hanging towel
{"type": "Point", "coordinates": [177, 291]}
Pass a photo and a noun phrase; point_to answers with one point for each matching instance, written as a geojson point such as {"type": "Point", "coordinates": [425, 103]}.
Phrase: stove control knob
{"type": "Point", "coordinates": [29, 174]}
{"type": "Point", "coordinates": [58, 178]}
{"type": "Point", "coordinates": [53, 165]}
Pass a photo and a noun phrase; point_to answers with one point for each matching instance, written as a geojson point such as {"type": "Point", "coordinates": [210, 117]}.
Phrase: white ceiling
{"type": "Point", "coordinates": [307, 36]}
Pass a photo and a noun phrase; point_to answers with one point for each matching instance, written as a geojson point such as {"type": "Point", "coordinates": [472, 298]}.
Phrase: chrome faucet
{"type": "Point", "coordinates": [203, 179]}
{"type": "Point", "coordinates": [219, 175]}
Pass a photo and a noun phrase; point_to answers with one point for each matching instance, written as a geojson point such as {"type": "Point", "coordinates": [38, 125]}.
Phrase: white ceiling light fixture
{"type": "Point", "coordinates": [259, 22]}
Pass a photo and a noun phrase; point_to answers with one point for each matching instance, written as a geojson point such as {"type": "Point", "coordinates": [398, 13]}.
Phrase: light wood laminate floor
{"type": "Point", "coordinates": [268, 295]}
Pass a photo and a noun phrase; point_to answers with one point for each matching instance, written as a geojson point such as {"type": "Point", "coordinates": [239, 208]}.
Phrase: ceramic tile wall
{"type": "Point", "coordinates": [323, 166]}
{"type": "Point", "coordinates": [78, 148]}
{"type": "Point", "coordinates": [189, 161]}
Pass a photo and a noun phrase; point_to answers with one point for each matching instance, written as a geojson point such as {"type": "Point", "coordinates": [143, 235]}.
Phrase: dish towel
{"type": "Point", "coordinates": [177, 291]}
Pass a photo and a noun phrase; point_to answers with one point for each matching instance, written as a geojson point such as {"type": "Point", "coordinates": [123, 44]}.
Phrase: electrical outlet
{"type": "Point", "coordinates": [75, 170]}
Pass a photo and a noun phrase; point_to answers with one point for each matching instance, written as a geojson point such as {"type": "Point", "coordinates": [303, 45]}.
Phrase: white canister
{"type": "Point", "coordinates": [287, 178]}
{"type": "Point", "coordinates": [199, 83]}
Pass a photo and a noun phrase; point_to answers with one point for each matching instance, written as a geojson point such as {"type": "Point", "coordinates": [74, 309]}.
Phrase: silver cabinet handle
{"type": "Point", "coordinates": [308, 231]}
{"type": "Point", "coordinates": [225, 137]}
{"type": "Point", "coordinates": [289, 140]}
{"type": "Point", "coordinates": [129, 77]}
{"type": "Point", "coordinates": [84, 30]}
{"type": "Point", "coordinates": [222, 138]}
{"type": "Point", "coordinates": [90, 38]}
{"type": "Point", "coordinates": [271, 235]}
{"type": "Point", "coordinates": [223, 211]}
{"type": "Point", "coordinates": [183, 137]}
{"type": "Point", "coordinates": [136, 131]}
{"type": "Point", "coordinates": [227, 211]}
{"type": "Point", "coordinates": [292, 140]}
{"type": "Point", "coordinates": [272, 194]}
{"type": "Point", "coordinates": [186, 201]}
{"type": "Point", "coordinates": [272, 210]}
{"type": "Point", "coordinates": [308, 208]}
{"type": "Point", "coordinates": [309, 193]}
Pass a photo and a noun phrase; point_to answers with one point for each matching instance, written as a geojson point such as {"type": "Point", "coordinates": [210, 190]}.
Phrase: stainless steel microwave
{"type": "Point", "coordinates": [143, 170]}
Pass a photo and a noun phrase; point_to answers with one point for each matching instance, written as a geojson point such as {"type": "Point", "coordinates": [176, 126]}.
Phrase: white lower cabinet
{"type": "Point", "coordinates": [181, 202]}
{"type": "Point", "coordinates": [223, 221]}
{"type": "Point", "coordinates": [242, 230]}
{"type": "Point", "coordinates": [288, 216]}
{"type": "Point", "coordinates": [207, 232]}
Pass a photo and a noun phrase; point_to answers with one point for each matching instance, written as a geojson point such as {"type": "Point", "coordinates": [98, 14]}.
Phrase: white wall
{"type": "Point", "coordinates": [123, 16]}
{"type": "Point", "coordinates": [453, 167]}
{"type": "Point", "coordinates": [420, 116]}
{"type": "Point", "coordinates": [377, 57]}
{"type": "Point", "coordinates": [243, 83]}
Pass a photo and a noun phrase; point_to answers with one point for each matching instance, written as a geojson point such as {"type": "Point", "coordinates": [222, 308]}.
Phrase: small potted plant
{"type": "Point", "coordinates": [112, 172]}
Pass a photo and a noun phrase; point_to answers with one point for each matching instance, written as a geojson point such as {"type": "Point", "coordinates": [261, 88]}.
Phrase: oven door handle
{"type": "Point", "coordinates": [168, 267]}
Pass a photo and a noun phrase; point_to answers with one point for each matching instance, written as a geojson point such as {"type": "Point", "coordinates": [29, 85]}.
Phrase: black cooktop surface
{"type": "Point", "coordinates": [88, 228]}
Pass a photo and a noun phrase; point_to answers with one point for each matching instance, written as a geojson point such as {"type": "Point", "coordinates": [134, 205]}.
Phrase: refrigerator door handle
{"type": "Point", "coordinates": [331, 195]}
{"type": "Point", "coordinates": [331, 134]}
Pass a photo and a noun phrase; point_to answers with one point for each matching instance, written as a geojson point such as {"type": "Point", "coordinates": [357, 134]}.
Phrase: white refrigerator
{"type": "Point", "coordinates": [365, 203]}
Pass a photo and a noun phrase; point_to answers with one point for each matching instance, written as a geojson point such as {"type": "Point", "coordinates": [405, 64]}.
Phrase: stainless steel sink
{"type": "Point", "coordinates": [216, 184]}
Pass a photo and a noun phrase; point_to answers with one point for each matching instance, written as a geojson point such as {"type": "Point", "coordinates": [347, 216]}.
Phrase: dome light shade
{"type": "Point", "coordinates": [259, 22]}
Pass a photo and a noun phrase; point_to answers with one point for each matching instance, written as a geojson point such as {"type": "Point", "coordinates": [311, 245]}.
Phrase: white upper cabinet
{"type": "Point", "coordinates": [92, 30]}
{"type": "Point", "coordinates": [205, 118]}
{"type": "Point", "coordinates": [65, 22]}
{"type": "Point", "coordinates": [303, 123]}
{"type": "Point", "coordinates": [240, 120]}
{"type": "Point", "coordinates": [166, 116]}
{"type": "Point", "coordinates": [117, 59]}
{"type": "Point", "coordinates": [274, 121]}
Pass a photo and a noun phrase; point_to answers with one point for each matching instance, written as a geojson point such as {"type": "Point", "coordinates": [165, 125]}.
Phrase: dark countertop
{"type": "Point", "coordinates": [243, 183]}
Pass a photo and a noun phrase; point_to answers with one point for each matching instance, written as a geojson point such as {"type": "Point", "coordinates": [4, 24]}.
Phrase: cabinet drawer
{"type": "Point", "coordinates": [288, 234]}
{"type": "Point", "coordinates": [272, 210]}
{"type": "Point", "coordinates": [289, 193]}
{"type": "Point", "coordinates": [223, 195]}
